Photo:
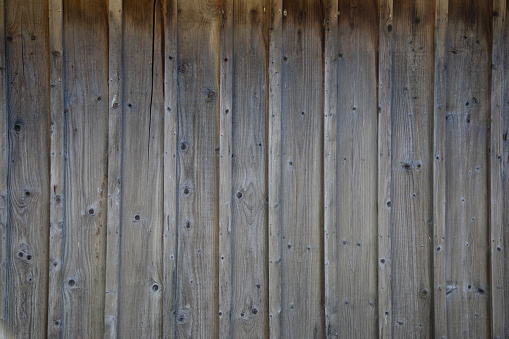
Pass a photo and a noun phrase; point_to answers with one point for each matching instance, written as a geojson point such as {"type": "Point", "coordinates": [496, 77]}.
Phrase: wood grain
{"type": "Point", "coordinates": [141, 267]}
{"type": "Point", "coordinates": [4, 167]}
{"type": "Point", "coordinates": [412, 168]}
{"type": "Point", "coordinates": [504, 63]}
{"type": "Point", "coordinates": [198, 168]}
{"type": "Point", "coordinates": [302, 170]}
{"type": "Point", "coordinates": [28, 104]}
{"type": "Point", "coordinates": [468, 44]}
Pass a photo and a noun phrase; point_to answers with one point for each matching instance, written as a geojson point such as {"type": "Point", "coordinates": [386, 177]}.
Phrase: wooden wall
{"type": "Point", "coordinates": [254, 168]}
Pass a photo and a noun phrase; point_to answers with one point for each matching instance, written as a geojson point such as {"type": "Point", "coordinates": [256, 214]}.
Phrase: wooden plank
{"type": "Point", "coordinates": [198, 211]}
{"type": "Point", "coordinates": [331, 260]}
{"type": "Point", "coordinates": [114, 169]}
{"type": "Point", "coordinates": [468, 63]}
{"type": "Point", "coordinates": [86, 145]}
{"type": "Point", "coordinates": [274, 167]}
{"type": "Point", "coordinates": [27, 53]}
{"type": "Point", "coordinates": [170, 167]}
{"type": "Point", "coordinates": [141, 267]}
{"type": "Point", "coordinates": [412, 168]}
{"type": "Point", "coordinates": [4, 167]}
{"type": "Point", "coordinates": [439, 184]}
{"type": "Point", "coordinates": [505, 159]}
{"type": "Point", "coordinates": [302, 170]}
{"type": "Point", "coordinates": [354, 278]}
{"type": "Point", "coordinates": [498, 316]}
{"type": "Point", "coordinates": [57, 163]}
{"type": "Point", "coordinates": [385, 74]}
{"type": "Point", "coordinates": [226, 112]}
{"type": "Point", "coordinates": [249, 172]}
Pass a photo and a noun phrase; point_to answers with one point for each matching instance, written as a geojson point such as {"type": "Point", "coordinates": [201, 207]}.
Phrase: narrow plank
{"type": "Point", "coordinates": [302, 170]}
{"type": "Point", "coordinates": [170, 167]}
{"type": "Point", "coordinates": [198, 211]}
{"type": "Point", "coordinates": [274, 167]}
{"type": "Point", "coordinates": [28, 104]}
{"type": "Point", "coordinates": [331, 259]}
{"type": "Point", "coordinates": [226, 112]}
{"type": "Point", "coordinates": [439, 184]}
{"type": "Point", "coordinates": [385, 74]}
{"type": "Point", "coordinates": [468, 61]}
{"type": "Point", "coordinates": [497, 171]}
{"type": "Point", "coordinates": [505, 159]}
{"type": "Point", "coordinates": [4, 168]}
{"type": "Point", "coordinates": [114, 169]}
{"type": "Point", "coordinates": [249, 172]}
{"type": "Point", "coordinates": [86, 145]}
{"type": "Point", "coordinates": [412, 168]}
{"type": "Point", "coordinates": [141, 270]}
{"type": "Point", "coordinates": [56, 189]}
{"type": "Point", "coordinates": [355, 279]}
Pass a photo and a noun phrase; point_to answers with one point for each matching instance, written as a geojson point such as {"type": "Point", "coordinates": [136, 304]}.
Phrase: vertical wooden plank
{"type": "Point", "coordinates": [274, 167]}
{"type": "Point", "coordinates": [249, 196]}
{"type": "Point", "coordinates": [355, 276]}
{"type": "Point", "coordinates": [198, 212]}
{"type": "Point", "coordinates": [114, 169]}
{"type": "Point", "coordinates": [170, 167]}
{"type": "Point", "coordinates": [56, 188]}
{"type": "Point", "coordinates": [331, 260]}
{"type": "Point", "coordinates": [497, 171]}
{"type": "Point", "coordinates": [505, 158]}
{"type": "Point", "coordinates": [468, 44]}
{"type": "Point", "coordinates": [302, 170]}
{"type": "Point", "coordinates": [385, 74]}
{"type": "Point", "coordinates": [86, 145]}
{"type": "Point", "coordinates": [226, 112]}
{"type": "Point", "coordinates": [141, 270]}
{"type": "Point", "coordinates": [412, 168]}
{"type": "Point", "coordinates": [27, 53]}
{"type": "Point", "coordinates": [439, 183]}
{"type": "Point", "coordinates": [4, 167]}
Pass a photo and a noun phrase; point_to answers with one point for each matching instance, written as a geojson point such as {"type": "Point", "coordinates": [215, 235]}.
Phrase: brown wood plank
{"type": "Point", "coordinates": [57, 163]}
{"type": "Point", "coordinates": [86, 144]}
{"type": "Point", "coordinates": [302, 304]}
{"type": "Point", "coordinates": [225, 171]}
{"type": "Point", "coordinates": [170, 167]}
{"type": "Point", "coordinates": [355, 280]}
{"type": "Point", "coordinates": [198, 214]}
{"type": "Point", "coordinates": [274, 167]}
{"type": "Point", "coordinates": [249, 172]}
{"type": "Point", "coordinates": [141, 268]}
{"type": "Point", "coordinates": [439, 203]}
{"type": "Point", "coordinates": [412, 168]}
{"type": "Point", "coordinates": [468, 44]}
{"type": "Point", "coordinates": [498, 163]}
{"type": "Point", "coordinates": [28, 75]}
{"type": "Point", "coordinates": [4, 166]}
{"type": "Point", "coordinates": [385, 74]}
{"type": "Point", "coordinates": [114, 169]}
{"type": "Point", "coordinates": [505, 159]}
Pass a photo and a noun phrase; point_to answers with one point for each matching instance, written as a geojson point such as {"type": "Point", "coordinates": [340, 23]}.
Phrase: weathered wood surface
{"type": "Point", "coordinates": [254, 168]}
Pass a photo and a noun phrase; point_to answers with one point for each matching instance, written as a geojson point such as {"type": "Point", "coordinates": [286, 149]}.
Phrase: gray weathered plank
{"type": "Point", "coordinates": [412, 168]}
{"type": "Point", "coordinates": [114, 169]}
{"type": "Point", "coordinates": [141, 267]}
{"type": "Point", "coordinates": [274, 167]}
{"type": "Point", "coordinates": [225, 171]}
{"type": "Point", "coordinates": [86, 143]}
{"type": "Point", "coordinates": [505, 159]}
{"type": "Point", "coordinates": [4, 166]}
{"type": "Point", "coordinates": [170, 167]}
{"type": "Point", "coordinates": [28, 107]}
{"type": "Point", "coordinates": [198, 211]}
{"type": "Point", "coordinates": [385, 74]}
{"type": "Point", "coordinates": [497, 312]}
{"type": "Point", "coordinates": [249, 195]}
{"type": "Point", "coordinates": [302, 170]}
{"type": "Point", "coordinates": [354, 280]}
{"type": "Point", "coordinates": [56, 188]}
{"type": "Point", "coordinates": [439, 203]}
{"type": "Point", "coordinates": [468, 43]}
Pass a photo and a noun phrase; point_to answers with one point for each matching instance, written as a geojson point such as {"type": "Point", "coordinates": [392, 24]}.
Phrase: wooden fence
{"type": "Point", "coordinates": [254, 168]}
